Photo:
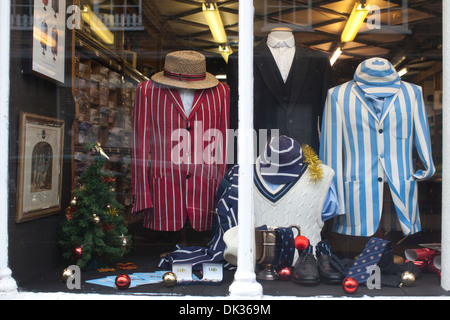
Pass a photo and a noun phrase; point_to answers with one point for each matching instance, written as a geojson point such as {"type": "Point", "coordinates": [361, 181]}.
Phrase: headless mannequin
{"type": "Point", "coordinates": [281, 43]}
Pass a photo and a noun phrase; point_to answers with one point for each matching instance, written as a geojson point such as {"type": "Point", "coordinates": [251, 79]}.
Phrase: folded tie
{"type": "Point", "coordinates": [370, 256]}
{"type": "Point", "coordinates": [287, 247]}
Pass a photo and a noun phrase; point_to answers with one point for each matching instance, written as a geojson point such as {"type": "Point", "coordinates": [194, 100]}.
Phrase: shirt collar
{"type": "Point", "coordinates": [275, 43]}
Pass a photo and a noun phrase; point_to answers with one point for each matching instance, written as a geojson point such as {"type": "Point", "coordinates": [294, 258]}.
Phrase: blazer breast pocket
{"type": "Point", "coordinates": [400, 125]}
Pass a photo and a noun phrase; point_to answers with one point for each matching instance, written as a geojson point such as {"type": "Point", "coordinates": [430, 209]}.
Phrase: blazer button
{"type": "Point", "coordinates": [188, 128]}
{"type": "Point", "coordinates": [188, 177]}
{"type": "Point", "coordinates": [380, 179]}
{"type": "Point", "coordinates": [380, 131]}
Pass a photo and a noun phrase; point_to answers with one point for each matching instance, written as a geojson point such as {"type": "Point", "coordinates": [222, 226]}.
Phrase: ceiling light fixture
{"type": "Point", "coordinates": [97, 26]}
{"type": "Point", "coordinates": [215, 23]}
{"type": "Point", "coordinates": [335, 55]}
{"type": "Point", "coordinates": [402, 72]}
{"type": "Point", "coordinates": [225, 51]}
{"type": "Point", "coordinates": [356, 19]}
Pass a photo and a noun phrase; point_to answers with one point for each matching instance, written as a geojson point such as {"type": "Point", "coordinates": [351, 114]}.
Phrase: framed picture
{"type": "Point", "coordinates": [49, 38]}
{"type": "Point", "coordinates": [40, 158]}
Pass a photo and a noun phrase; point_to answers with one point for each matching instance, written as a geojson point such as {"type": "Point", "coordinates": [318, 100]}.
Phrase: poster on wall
{"type": "Point", "coordinates": [49, 38]}
{"type": "Point", "coordinates": [40, 159]}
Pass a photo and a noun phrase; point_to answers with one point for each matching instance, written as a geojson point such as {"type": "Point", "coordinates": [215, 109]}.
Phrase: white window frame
{"type": "Point", "coordinates": [244, 284]}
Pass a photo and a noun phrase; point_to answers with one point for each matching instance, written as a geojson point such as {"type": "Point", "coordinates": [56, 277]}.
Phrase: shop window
{"type": "Point", "coordinates": [129, 93]}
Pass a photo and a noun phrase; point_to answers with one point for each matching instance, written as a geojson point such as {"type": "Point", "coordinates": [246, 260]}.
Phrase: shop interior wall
{"type": "Point", "coordinates": [32, 244]}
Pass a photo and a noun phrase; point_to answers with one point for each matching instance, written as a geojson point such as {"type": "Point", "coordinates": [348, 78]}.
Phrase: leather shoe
{"type": "Point", "coordinates": [327, 273]}
{"type": "Point", "coordinates": [305, 270]}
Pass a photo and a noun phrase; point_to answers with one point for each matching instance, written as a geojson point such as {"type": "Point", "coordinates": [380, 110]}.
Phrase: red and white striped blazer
{"type": "Point", "coordinates": [168, 189]}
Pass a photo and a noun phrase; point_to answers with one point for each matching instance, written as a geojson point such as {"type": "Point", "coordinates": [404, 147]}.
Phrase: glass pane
{"type": "Point", "coordinates": [123, 144]}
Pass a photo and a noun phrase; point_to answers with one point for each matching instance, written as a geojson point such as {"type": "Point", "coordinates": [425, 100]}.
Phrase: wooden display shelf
{"type": "Point", "coordinates": [104, 90]}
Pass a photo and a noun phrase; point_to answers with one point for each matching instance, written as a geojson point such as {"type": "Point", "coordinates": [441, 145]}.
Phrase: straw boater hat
{"type": "Point", "coordinates": [186, 69]}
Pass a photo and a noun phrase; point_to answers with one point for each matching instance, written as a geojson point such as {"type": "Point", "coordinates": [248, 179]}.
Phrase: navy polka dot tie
{"type": "Point", "coordinates": [369, 256]}
{"type": "Point", "coordinates": [287, 247]}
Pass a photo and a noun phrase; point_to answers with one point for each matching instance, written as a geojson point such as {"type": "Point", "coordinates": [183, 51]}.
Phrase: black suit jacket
{"type": "Point", "coordinates": [295, 107]}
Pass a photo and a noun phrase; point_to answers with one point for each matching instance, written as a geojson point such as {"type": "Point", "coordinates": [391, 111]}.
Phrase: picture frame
{"type": "Point", "coordinates": [40, 160]}
{"type": "Point", "coordinates": [49, 38]}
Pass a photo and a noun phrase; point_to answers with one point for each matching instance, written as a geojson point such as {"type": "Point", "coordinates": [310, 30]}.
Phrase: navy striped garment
{"type": "Point", "coordinates": [226, 217]}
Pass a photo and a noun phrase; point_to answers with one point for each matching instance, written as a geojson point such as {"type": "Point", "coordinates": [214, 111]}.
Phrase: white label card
{"type": "Point", "coordinates": [183, 271]}
{"type": "Point", "coordinates": [212, 272]}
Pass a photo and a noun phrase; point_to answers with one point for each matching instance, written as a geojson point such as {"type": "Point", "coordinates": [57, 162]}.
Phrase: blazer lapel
{"type": "Point", "coordinates": [299, 70]}
{"type": "Point", "coordinates": [200, 95]}
{"type": "Point", "coordinates": [175, 97]}
{"type": "Point", "coordinates": [360, 95]}
{"type": "Point", "coordinates": [268, 69]}
{"type": "Point", "coordinates": [388, 104]}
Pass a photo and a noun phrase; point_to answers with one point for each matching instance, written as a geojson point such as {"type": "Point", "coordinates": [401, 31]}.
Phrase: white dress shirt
{"type": "Point", "coordinates": [187, 97]}
{"type": "Point", "coordinates": [283, 51]}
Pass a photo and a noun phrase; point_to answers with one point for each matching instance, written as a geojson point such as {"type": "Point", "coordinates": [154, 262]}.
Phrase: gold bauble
{"type": "Point", "coordinates": [407, 279]}
{"type": "Point", "coordinates": [169, 279]}
{"type": "Point", "coordinates": [124, 241]}
{"type": "Point", "coordinates": [66, 275]}
{"type": "Point", "coordinates": [73, 202]}
{"type": "Point", "coordinates": [96, 219]}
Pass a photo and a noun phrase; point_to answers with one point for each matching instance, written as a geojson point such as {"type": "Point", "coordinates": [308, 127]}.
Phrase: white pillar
{"type": "Point", "coordinates": [245, 284]}
{"type": "Point", "coordinates": [7, 283]}
{"type": "Point", "coordinates": [445, 263]}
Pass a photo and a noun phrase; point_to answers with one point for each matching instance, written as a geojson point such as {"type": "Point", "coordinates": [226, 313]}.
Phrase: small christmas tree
{"type": "Point", "coordinates": [94, 232]}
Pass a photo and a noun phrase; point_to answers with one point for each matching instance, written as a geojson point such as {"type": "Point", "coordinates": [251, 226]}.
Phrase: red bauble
{"type": "Point", "coordinates": [301, 243]}
{"type": "Point", "coordinates": [77, 252]}
{"type": "Point", "coordinates": [285, 273]}
{"type": "Point", "coordinates": [350, 285]}
{"type": "Point", "coordinates": [123, 281]}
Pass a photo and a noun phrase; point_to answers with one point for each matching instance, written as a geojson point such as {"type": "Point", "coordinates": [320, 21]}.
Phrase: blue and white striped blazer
{"type": "Point", "coordinates": [366, 151]}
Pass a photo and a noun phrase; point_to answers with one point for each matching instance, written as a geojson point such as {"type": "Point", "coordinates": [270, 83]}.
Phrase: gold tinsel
{"type": "Point", "coordinates": [106, 269]}
{"type": "Point", "coordinates": [313, 161]}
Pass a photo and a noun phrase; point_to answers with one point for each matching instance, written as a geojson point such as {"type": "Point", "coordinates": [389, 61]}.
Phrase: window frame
{"type": "Point", "coordinates": [245, 273]}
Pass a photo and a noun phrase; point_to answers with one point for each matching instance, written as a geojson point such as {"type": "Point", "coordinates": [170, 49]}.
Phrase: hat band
{"type": "Point", "coordinates": [184, 76]}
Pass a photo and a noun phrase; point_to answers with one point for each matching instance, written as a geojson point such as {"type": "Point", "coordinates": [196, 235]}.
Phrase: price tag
{"type": "Point", "coordinates": [212, 272]}
{"type": "Point", "coordinates": [183, 271]}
